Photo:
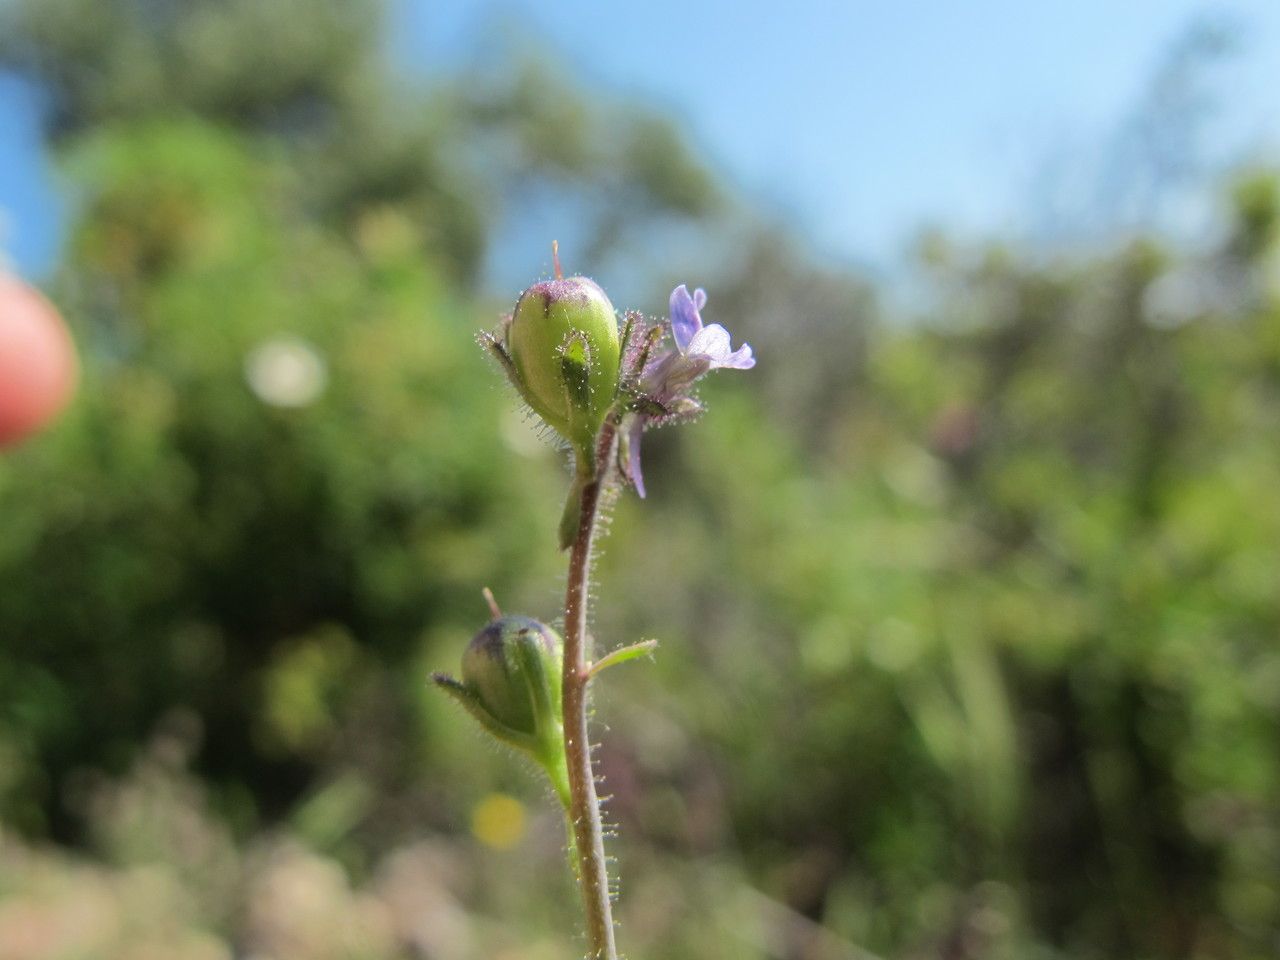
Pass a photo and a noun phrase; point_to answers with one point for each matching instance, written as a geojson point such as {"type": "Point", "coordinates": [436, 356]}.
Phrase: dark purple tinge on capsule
{"type": "Point", "coordinates": [579, 291]}
{"type": "Point", "coordinates": [490, 639]}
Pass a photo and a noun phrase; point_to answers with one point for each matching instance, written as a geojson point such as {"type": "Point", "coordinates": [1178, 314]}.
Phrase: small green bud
{"type": "Point", "coordinates": [511, 683]}
{"type": "Point", "coordinates": [513, 668]}
{"type": "Point", "coordinates": [563, 342]}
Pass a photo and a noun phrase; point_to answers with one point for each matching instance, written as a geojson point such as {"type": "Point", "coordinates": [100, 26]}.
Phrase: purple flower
{"type": "Point", "coordinates": [709, 343]}
{"type": "Point", "coordinates": [668, 377]}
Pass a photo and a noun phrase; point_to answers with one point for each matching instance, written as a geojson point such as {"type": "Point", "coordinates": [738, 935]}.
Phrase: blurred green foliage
{"type": "Point", "coordinates": [970, 623]}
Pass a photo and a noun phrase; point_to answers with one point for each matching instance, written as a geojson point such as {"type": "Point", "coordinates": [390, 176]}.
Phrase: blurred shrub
{"type": "Point", "coordinates": [186, 540]}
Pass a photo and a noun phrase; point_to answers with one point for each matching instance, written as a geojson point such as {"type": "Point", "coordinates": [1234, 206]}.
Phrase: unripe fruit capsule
{"type": "Point", "coordinates": [512, 667]}
{"type": "Point", "coordinates": [563, 340]}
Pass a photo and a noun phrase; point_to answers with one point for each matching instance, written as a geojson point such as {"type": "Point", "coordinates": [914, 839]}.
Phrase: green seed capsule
{"type": "Point", "coordinates": [512, 668]}
{"type": "Point", "coordinates": [563, 341]}
{"type": "Point", "coordinates": [511, 684]}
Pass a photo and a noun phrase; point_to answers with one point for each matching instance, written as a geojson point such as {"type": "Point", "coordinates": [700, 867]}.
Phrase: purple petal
{"type": "Point", "coordinates": [685, 322]}
{"type": "Point", "coordinates": [633, 455]}
{"type": "Point", "coordinates": [712, 342]}
{"type": "Point", "coordinates": [740, 359]}
{"type": "Point", "coordinates": [699, 298]}
{"type": "Point", "coordinates": [683, 372]}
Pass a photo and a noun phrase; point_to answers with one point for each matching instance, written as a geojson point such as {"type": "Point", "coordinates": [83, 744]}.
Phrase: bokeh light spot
{"type": "Point", "coordinates": [286, 372]}
{"type": "Point", "coordinates": [498, 821]}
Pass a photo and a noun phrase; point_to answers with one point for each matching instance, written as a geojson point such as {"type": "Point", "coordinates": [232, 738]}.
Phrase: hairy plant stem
{"type": "Point", "coordinates": [584, 805]}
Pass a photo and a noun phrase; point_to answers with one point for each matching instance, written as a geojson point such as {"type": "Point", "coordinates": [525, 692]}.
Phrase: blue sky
{"type": "Point", "coordinates": [30, 212]}
{"type": "Point", "coordinates": [858, 122]}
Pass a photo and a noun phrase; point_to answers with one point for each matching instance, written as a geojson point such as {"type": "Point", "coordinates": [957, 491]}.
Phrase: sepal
{"type": "Point", "coordinates": [465, 696]}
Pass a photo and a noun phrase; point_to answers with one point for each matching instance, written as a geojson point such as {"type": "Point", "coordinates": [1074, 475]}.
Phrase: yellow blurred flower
{"type": "Point", "coordinates": [498, 821]}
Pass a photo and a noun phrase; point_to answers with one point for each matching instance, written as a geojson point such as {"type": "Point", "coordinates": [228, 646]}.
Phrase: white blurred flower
{"type": "Point", "coordinates": [286, 372]}
{"type": "Point", "coordinates": [1176, 298]}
